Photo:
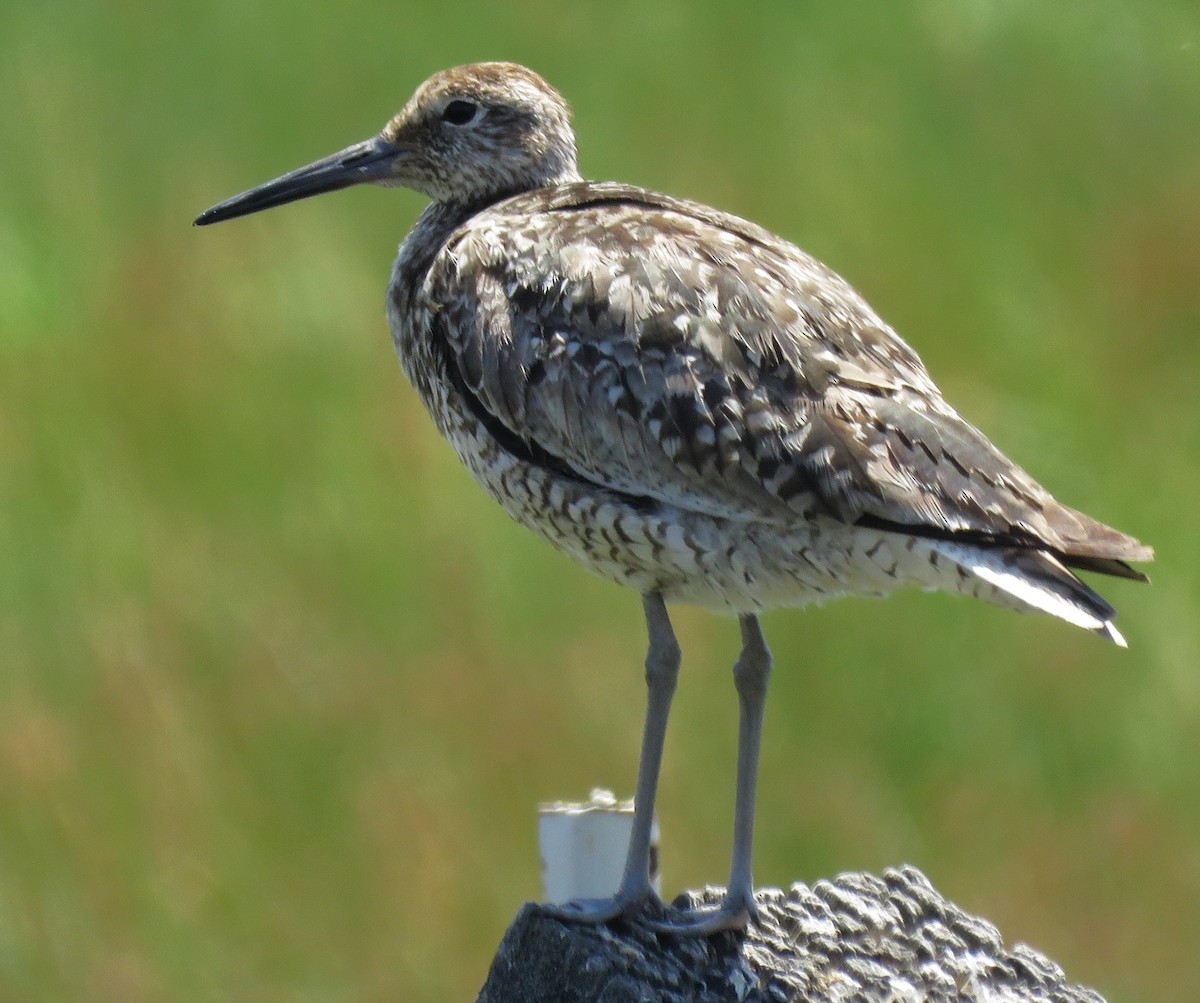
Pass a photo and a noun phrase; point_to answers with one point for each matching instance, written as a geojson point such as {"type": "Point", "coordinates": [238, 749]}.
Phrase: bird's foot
{"type": "Point", "coordinates": [623, 905]}
{"type": "Point", "coordinates": [734, 912]}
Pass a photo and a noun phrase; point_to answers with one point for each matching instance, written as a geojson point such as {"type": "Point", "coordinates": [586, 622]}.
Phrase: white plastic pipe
{"type": "Point", "coordinates": [583, 847]}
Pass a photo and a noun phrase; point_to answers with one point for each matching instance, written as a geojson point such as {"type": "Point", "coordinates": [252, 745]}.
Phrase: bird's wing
{"type": "Point", "coordinates": [667, 351]}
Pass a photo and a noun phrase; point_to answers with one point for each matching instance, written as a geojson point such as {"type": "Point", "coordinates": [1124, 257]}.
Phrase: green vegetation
{"type": "Point", "coordinates": [280, 688]}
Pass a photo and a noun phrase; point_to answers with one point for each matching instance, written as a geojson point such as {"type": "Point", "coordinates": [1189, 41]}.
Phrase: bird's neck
{"type": "Point", "coordinates": [429, 234]}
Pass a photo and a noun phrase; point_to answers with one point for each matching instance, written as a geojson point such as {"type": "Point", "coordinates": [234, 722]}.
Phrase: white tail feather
{"type": "Point", "coordinates": [1037, 595]}
{"type": "Point", "coordinates": [1046, 586]}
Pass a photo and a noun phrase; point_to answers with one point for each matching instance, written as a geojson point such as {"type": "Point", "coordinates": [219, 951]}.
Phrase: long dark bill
{"type": "Point", "coordinates": [368, 161]}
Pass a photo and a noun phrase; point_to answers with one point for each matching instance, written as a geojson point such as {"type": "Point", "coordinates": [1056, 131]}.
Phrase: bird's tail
{"type": "Point", "coordinates": [1040, 581]}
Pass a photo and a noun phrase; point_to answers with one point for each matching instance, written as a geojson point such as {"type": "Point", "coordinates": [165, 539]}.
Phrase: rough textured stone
{"type": "Point", "coordinates": [858, 937]}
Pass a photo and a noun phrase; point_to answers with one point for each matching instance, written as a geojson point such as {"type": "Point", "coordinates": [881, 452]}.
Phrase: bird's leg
{"type": "Point", "coordinates": [662, 671]}
{"type": "Point", "coordinates": [751, 673]}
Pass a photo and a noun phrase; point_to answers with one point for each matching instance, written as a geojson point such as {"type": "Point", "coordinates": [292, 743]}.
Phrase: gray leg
{"type": "Point", "coordinates": [662, 671]}
{"type": "Point", "coordinates": [750, 675]}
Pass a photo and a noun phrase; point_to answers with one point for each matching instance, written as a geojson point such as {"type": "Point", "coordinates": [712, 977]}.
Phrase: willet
{"type": "Point", "coordinates": [687, 405]}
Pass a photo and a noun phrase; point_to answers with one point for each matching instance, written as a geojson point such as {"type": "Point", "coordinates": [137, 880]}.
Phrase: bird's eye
{"type": "Point", "coordinates": [460, 112]}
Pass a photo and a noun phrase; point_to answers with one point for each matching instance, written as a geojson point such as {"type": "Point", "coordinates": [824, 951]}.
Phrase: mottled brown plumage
{"type": "Point", "coordinates": [685, 403]}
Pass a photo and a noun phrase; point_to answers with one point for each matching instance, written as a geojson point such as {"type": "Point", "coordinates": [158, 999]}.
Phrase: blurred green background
{"type": "Point", "coordinates": [281, 688]}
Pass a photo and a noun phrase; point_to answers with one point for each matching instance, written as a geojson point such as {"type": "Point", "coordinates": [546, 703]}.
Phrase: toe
{"type": "Point", "coordinates": [733, 913]}
{"type": "Point", "coordinates": [621, 905]}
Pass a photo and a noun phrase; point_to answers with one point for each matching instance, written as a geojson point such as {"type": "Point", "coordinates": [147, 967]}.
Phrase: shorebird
{"type": "Point", "coordinates": [686, 404]}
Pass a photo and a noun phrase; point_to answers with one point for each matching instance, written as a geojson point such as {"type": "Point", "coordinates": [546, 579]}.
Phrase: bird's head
{"type": "Point", "coordinates": [469, 134]}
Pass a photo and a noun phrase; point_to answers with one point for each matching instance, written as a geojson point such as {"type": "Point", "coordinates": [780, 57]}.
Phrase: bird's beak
{"type": "Point", "coordinates": [362, 163]}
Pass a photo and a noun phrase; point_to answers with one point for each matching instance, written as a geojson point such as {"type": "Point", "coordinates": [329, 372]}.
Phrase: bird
{"type": "Point", "coordinates": [689, 406]}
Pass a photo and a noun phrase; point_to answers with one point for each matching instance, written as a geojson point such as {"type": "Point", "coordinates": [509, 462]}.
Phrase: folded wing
{"type": "Point", "coordinates": [670, 352]}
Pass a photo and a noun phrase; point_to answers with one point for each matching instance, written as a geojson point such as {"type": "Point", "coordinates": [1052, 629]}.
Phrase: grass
{"type": "Point", "coordinates": [281, 689]}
